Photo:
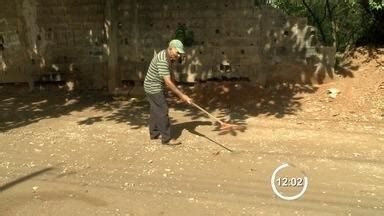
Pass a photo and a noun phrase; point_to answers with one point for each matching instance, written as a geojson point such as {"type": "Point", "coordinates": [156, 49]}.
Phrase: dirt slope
{"type": "Point", "coordinates": [69, 155]}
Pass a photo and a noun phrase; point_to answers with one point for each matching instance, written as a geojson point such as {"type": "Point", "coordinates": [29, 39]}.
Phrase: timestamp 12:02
{"type": "Point", "coordinates": [289, 182]}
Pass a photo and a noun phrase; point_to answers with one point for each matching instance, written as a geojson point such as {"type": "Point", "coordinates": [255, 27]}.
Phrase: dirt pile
{"type": "Point", "coordinates": [361, 89]}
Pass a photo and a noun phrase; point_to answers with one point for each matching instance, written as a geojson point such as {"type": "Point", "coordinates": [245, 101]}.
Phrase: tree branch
{"type": "Point", "coordinates": [334, 26]}
{"type": "Point", "coordinates": [325, 15]}
{"type": "Point", "coordinates": [317, 21]}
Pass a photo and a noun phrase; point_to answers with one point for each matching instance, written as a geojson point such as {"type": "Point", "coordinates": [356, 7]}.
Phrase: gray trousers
{"type": "Point", "coordinates": [158, 117]}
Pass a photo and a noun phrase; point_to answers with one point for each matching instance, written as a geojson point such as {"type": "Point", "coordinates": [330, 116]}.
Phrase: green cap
{"type": "Point", "coordinates": [178, 45]}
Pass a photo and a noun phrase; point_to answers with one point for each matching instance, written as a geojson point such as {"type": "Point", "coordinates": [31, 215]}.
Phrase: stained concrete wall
{"type": "Point", "coordinates": [232, 39]}
{"type": "Point", "coordinates": [57, 36]}
{"type": "Point", "coordinates": [12, 48]}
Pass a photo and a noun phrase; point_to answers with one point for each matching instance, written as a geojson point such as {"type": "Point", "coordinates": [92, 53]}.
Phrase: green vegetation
{"type": "Point", "coordinates": [343, 23]}
{"type": "Point", "coordinates": [185, 35]}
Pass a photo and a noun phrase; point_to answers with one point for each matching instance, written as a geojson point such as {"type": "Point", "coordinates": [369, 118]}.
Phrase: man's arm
{"type": "Point", "coordinates": [172, 86]}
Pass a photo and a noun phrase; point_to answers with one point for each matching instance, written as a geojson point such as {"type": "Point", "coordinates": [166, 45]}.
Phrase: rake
{"type": "Point", "coordinates": [223, 126]}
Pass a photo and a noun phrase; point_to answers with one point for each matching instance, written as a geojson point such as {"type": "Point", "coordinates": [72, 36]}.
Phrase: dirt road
{"type": "Point", "coordinates": [88, 162]}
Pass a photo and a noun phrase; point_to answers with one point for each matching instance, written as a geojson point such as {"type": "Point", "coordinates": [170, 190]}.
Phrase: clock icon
{"type": "Point", "coordinates": [288, 182]}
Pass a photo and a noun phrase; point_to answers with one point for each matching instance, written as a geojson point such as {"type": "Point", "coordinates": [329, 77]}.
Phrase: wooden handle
{"type": "Point", "coordinates": [206, 112]}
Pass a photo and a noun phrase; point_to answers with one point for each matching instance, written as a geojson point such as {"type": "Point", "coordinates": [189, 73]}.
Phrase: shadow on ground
{"type": "Point", "coordinates": [19, 107]}
{"type": "Point", "coordinates": [24, 178]}
{"type": "Point", "coordinates": [235, 102]}
{"type": "Point", "coordinates": [230, 101]}
{"type": "Point", "coordinates": [191, 127]}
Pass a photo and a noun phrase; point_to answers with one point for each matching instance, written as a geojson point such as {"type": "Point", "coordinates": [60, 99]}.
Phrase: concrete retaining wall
{"type": "Point", "coordinates": [232, 39]}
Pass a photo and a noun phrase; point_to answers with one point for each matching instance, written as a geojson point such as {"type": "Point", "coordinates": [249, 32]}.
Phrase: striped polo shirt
{"type": "Point", "coordinates": [159, 67]}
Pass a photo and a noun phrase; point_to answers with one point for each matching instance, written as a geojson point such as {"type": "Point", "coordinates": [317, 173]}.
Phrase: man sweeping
{"type": "Point", "coordinates": [158, 74]}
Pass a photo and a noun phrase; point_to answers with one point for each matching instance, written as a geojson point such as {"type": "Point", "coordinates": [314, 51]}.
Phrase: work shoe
{"type": "Point", "coordinates": [172, 142]}
{"type": "Point", "coordinates": [156, 137]}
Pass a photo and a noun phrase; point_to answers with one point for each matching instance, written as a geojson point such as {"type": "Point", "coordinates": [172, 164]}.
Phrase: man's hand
{"type": "Point", "coordinates": [186, 99]}
{"type": "Point", "coordinates": [169, 83]}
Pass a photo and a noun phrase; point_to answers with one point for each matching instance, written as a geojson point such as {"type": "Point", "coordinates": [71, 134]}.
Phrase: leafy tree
{"type": "Point", "coordinates": [373, 23]}
{"type": "Point", "coordinates": [339, 23]}
{"type": "Point", "coordinates": [185, 35]}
